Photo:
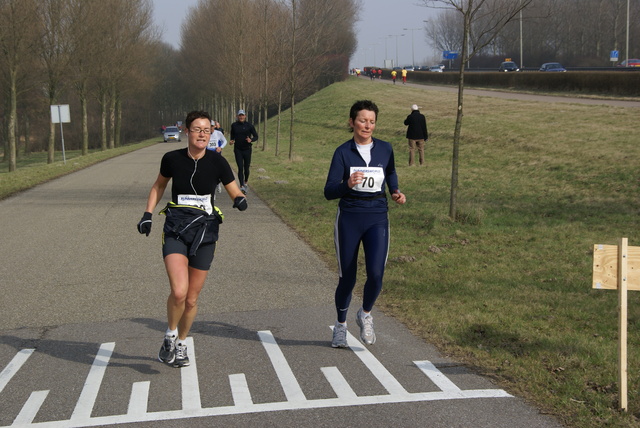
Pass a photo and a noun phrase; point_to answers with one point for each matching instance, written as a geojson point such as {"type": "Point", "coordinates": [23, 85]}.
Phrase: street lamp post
{"type": "Point", "coordinates": [413, 58]}
{"type": "Point", "coordinates": [396, 36]}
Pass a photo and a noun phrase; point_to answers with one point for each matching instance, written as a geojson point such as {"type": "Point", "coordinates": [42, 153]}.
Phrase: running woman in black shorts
{"type": "Point", "coordinates": [359, 171]}
{"type": "Point", "coordinates": [191, 228]}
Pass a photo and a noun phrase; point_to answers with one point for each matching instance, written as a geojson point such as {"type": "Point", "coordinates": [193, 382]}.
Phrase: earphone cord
{"type": "Point", "coordinates": [195, 168]}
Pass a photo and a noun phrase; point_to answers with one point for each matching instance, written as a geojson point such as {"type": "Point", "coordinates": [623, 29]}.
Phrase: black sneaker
{"type": "Point", "coordinates": [167, 352]}
{"type": "Point", "coordinates": [181, 357]}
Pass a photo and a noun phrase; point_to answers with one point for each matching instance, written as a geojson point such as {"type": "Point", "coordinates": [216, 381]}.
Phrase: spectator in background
{"type": "Point", "coordinates": [417, 133]}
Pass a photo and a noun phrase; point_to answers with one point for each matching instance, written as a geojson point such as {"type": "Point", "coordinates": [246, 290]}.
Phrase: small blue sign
{"type": "Point", "coordinates": [449, 55]}
{"type": "Point", "coordinates": [614, 56]}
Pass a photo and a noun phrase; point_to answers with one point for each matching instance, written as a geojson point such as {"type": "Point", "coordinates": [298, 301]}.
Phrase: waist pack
{"type": "Point", "coordinates": [191, 225]}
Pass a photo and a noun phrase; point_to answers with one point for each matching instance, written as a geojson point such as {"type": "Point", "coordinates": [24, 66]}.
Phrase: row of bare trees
{"type": "Point", "coordinates": [104, 58]}
{"type": "Point", "coordinates": [578, 33]}
{"type": "Point", "coordinates": [90, 54]}
{"type": "Point", "coordinates": [263, 55]}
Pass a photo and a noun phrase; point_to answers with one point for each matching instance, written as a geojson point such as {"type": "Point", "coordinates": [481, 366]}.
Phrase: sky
{"type": "Point", "coordinates": [383, 25]}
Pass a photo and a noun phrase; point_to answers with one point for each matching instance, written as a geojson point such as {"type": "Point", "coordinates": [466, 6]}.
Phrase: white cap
{"type": "Point", "coordinates": [240, 112]}
{"type": "Point", "coordinates": [414, 107]}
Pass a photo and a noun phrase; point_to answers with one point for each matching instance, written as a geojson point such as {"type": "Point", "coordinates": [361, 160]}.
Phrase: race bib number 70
{"type": "Point", "coordinates": [373, 179]}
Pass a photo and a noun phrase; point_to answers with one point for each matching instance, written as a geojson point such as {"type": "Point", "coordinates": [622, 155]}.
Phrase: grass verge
{"type": "Point", "coordinates": [507, 287]}
{"type": "Point", "coordinates": [33, 169]}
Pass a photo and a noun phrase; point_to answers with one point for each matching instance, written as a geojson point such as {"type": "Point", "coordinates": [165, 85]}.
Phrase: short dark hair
{"type": "Point", "coordinates": [196, 114]}
{"type": "Point", "coordinates": [362, 105]}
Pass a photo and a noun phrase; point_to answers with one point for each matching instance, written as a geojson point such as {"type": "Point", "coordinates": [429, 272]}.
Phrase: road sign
{"type": "Point", "coordinates": [613, 56]}
{"type": "Point", "coordinates": [449, 55]}
{"type": "Point", "coordinates": [60, 114]}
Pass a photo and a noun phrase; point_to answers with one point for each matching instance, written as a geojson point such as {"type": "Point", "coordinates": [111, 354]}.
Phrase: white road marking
{"type": "Point", "coordinates": [190, 384]}
{"type": "Point", "coordinates": [437, 376]}
{"type": "Point", "coordinates": [379, 371]}
{"type": "Point", "coordinates": [338, 383]}
{"type": "Point", "coordinates": [289, 383]}
{"type": "Point", "coordinates": [89, 393]}
{"type": "Point", "coordinates": [139, 398]}
{"type": "Point", "coordinates": [31, 408]}
{"type": "Point", "coordinates": [240, 390]}
{"type": "Point", "coordinates": [243, 403]}
{"type": "Point", "coordinates": [14, 365]}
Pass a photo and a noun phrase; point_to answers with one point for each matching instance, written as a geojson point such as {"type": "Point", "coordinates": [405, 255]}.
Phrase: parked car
{"type": "Point", "coordinates": [630, 63]}
{"type": "Point", "coordinates": [435, 69]}
{"type": "Point", "coordinates": [508, 66]}
{"type": "Point", "coordinates": [409, 67]}
{"type": "Point", "coordinates": [172, 133]}
{"type": "Point", "coordinates": [552, 66]}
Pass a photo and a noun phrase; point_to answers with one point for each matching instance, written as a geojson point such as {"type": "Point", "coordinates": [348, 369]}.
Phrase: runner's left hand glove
{"type": "Point", "coordinates": [240, 202]}
{"type": "Point", "coordinates": [144, 226]}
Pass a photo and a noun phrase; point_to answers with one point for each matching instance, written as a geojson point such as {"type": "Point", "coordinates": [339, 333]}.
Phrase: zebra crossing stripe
{"type": "Point", "coordinates": [289, 383]}
{"type": "Point", "coordinates": [190, 384]}
{"type": "Point", "coordinates": [377, 369]}
{"type": "Point", "coordinates": [13, 366]}
{"type": "Point", "coordinates": [30, 408]}
{"type": "Point", "coordinates": [89, 393]}
{"type": "Point", "coordinates": [139, 398]}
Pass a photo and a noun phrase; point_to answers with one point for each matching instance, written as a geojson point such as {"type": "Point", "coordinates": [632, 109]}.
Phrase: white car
{"type": "Point", "coordinates": [172, 133]}
{"type": "Point", "coordinates": [435, 69]}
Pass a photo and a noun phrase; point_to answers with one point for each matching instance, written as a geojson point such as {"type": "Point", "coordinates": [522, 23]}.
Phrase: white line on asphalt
{"type": "Point", "coordinates": [240, 390]}
{"type": "Point", "coordinates": [139, 399]}
{"type": "Point", "coordinates": [377, 369]}
{"type": "Point", "coordinates": [338, 383]}
{"type": "Point", "coordinates": [436, 376]}
{"type": "Point", "coordinates": [89, 393]}
{"type": "Point", "coordinates": [289, 383]}
{"type": "Point", "coordinates": [13, 366]}
{"type": "Point", "coordinates": [31, 408]}
{"type": "Point", "coordinates": [190, 385]}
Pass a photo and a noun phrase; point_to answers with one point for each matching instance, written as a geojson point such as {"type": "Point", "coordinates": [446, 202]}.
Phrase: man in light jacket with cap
{"type": "Point", "coordinates": [416, 134]}
{"type": "Point", "coordinates": [242, 136]}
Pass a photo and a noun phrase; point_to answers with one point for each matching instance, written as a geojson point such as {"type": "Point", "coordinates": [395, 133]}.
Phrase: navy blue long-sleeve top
{"type": "Point", "coordinates": [347, 156]}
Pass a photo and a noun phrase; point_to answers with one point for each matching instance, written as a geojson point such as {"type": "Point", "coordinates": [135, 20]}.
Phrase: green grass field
{"type": "Point", "coordinates": [506, 288]}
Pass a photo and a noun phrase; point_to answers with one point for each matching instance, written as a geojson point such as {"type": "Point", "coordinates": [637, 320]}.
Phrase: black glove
{"type": "Point", "coordinates": [144, 226]}
{"type": "Point", "coordinates": [240, 202]}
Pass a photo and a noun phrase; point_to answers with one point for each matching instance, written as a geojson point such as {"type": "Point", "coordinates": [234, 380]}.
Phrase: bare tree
{"type": "Point", "coordinates": [54, 53]}
{"type": "Point", "coordinates": [18, 37]}
{"type": "Point", "coordinates": [482, 21]}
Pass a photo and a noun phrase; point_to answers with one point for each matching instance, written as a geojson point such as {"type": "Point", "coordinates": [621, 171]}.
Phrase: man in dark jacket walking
{"type": "Point", "coordinates": [416, 133]}
{"type": "Point", "coordinates": [243, 135]}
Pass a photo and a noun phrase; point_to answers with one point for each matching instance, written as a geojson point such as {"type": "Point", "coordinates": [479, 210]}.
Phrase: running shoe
{"type": "Point", "coordinates": [365, 322]}
{"type": "Point", "coordinates": [167, 352]}
{"type": "Point", "coordinates": [339, 336]}
{"type": "Point", "coordinates": [243, 189]}
{"type": "Point", "coordinates": [182, 359]}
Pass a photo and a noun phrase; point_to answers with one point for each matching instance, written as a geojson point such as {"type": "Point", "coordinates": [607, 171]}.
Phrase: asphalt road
{"type": "Point", "coordinates": [83, 313]}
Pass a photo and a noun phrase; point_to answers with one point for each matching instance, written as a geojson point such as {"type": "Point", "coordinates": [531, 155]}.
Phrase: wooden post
{"type": "Point", "coordinates": [622, 326]}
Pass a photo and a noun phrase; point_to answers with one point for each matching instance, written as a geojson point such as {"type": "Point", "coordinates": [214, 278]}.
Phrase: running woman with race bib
{"type": "Point", "coordinates": [359, 171]}
{"type": "Point", "coordinates": [191, 228]}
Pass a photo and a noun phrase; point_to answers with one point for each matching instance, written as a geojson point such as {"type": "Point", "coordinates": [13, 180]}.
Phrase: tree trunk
{"type": "Point", "coordinates": [13, 108]}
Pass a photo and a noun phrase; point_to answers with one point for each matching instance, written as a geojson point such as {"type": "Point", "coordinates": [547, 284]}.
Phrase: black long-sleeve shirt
{"type": "Point", "coordinates": [239, 133]}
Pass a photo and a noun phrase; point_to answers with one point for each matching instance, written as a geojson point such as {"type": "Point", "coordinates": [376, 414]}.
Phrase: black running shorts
{"type": "Point", "coordinates": [201, 260]}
